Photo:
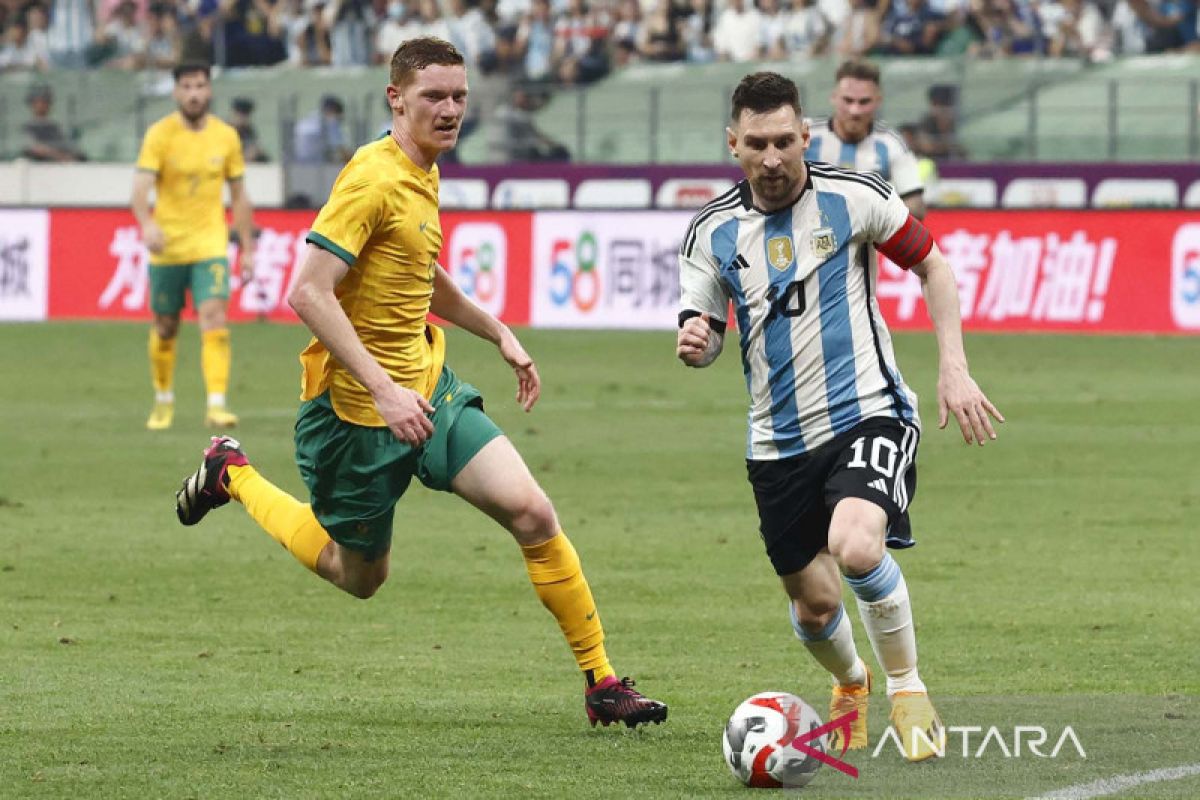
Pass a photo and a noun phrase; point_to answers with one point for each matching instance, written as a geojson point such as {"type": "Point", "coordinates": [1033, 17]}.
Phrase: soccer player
{"type": "Point", "coordinates": [833, 428]}
{"type": "Point", "coordinates": [854, 139]}
{"type": "Point", "coordinates": [187, 157]}
{"type": "Point", "coordinates": [379, 404]}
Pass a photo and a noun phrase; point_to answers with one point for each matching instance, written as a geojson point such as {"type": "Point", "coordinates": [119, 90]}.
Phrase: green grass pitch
{"type": "Point", "coordinates": [1054, 584]}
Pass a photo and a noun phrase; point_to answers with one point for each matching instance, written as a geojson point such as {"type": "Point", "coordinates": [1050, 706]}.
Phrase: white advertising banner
{"type": "Point", "coordinates": [24, 264]}
{"type": "Point", "coordinates": [607, 270]}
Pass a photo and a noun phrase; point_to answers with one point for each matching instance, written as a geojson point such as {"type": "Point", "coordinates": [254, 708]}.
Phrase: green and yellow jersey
{"type": "Point", "coordinates": [382, 220]}
{"type": "Point", "coordinates": [191, 168]}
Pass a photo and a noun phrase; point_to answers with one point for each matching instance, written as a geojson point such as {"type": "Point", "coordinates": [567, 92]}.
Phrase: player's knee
{"type": "Point", "coordinates": [534, 521]}
{"type": "Point", "coordinates": [166, 327]}
{"type": "Point", "coordinates": [364, 581]}
{"type": "Point", "coordinates": [814, 615]}
{"type": "Point", "coordinates": [857, 553]}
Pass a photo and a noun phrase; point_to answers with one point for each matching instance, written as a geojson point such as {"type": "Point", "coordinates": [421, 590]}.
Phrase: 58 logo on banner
{"type": "Point", "coordinates": [573, 276]}
{"type": "Point", "coordinates": [478, 263]}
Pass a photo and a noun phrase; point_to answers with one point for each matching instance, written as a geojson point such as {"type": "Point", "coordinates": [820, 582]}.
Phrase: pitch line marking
{"type": "Point", "coordinates": [1119, 783]}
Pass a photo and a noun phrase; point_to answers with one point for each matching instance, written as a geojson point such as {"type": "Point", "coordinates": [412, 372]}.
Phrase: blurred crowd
{"type": "Point", "coordinates": [577, 41]}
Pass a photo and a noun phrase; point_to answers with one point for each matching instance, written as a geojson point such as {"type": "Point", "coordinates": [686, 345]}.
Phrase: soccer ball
{"type": "Point", "coordinates": [758, 741]}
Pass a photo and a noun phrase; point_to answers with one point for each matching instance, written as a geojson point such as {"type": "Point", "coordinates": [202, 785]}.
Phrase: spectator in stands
{"type": "Point", "coordinates": [737, 33]}
{"type": "Point", "coordinates": [45, 139]}
{"type": "Point", "coordinates": [1073, 28]}
{"type": "Point", "coordinates": [310, 45]}
{"type": "Point", "coordinates": [659, 37]}
{"type": "Point", "coordinates": [72, 23]}
{"type": "Point", "coordinates": [534, 42]}
{"type": "Point", "coordinates": [17, 52]}
{"type": "Point", "coordinates": [473, 35]}
{"type": "Point", "coordinates": [161, 37]}
{"type": "Point", "coordinates": [627, 25]}
{"type": "Point", "coordinates": [1007, 27]}
{"type": "Point", "coordinates": [399, 26]}
{"type": "Point", "coordinates": [252, 33]}
{"type": "Point", "coordinates": [119, 43]}
{"type": "Point", "coordinates": [911, 30]}
{"type": "Point", "coordinates": [430, 21]}
{"type": "Point", "coordinates": [320, 138]}
{"type": "Point", "coordinates": [807, 31]}
{"type": "Point", "coordinates": [696, 32]}
{"type": "Point", "coordinates": [859, 31]}
{"type": "Point", "coordinates": [1161, 25]}
{"type": "Point", "coordinates": [581, 44]}
{"type": "Point", "coordinates": [242, 108]}
{"type": "Point", "coordinates": [515, 136]}
{"type": "Point", "coordinates": [772, 20]}
{"type": "Point", "coordinates": [937, 131]}
{"type": "Point", "coordinates": [197, 43]}
{"type": "Point", "coordinates": [349, 23]}
{"type": "Point", "coordinates": [38, 37]}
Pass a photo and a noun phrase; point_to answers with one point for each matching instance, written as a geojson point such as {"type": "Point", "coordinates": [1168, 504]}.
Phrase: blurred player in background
{"type": "Point", "coordinates": [833, 428]}
{"type": "Point", "coordinates": [187, 157]}
{"type": "Point", "coordinates": [380, 406]}
{"type": "Point", "coordinates": [853, 139]}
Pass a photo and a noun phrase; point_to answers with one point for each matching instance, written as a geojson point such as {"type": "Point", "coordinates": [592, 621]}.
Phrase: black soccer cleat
{"type": "Point", "coordinates": [613, 700]}
{"type": "Point", "coordinates": [208, 487]}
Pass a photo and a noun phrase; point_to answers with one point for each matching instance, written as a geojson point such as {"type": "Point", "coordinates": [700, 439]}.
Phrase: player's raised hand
{"type": "Point", "coordinates": [406, 414]}
{"type": "Point", "coordinates": [958, 394]}
{"type": "Point", "coordinates": [693, 340]}
{"type": "Point", "coordinates": [153, 238]}
{"type": "Point", "coordinates": [529, 385]}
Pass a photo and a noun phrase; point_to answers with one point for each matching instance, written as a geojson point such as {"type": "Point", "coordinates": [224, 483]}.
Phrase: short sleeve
{"type": "Point", "coordinates": [700, 286]}
{"type": "Point", "coordinates": [886, 216]}
{"type": "Point", "coordinates": [235, 164]}
{"type": "Point", "coordinates": [350, 216]}
{"type": "Point", "coordinates": [150, 158]}
{"type": "Point", "coordinates": [906, 175]}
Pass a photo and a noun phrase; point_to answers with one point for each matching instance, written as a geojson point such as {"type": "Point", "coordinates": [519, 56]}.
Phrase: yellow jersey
{"type": "Point", "coordinates": [382, 220]}
{"type": "Point", "coordinates": [191, 168]}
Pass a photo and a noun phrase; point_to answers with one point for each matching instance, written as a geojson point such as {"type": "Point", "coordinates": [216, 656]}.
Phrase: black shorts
{"type": "Point", "coordinates": [875, 460]}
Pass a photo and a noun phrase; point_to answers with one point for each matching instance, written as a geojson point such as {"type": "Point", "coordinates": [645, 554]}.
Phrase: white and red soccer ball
{"type": "Point", "coordinates": [765, 744]}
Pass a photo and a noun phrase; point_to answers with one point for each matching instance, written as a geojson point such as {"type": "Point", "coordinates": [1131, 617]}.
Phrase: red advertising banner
{"type": "Point", "coordinates": [1093, 271]}
{"type": "Point", "coordinates": [98, 264]}
{"type": "Point", "coordinates": [1097, 271]}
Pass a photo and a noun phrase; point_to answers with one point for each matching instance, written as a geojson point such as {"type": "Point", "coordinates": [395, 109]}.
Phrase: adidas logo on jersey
{"type": "Point", "coordinates": [879, 484]}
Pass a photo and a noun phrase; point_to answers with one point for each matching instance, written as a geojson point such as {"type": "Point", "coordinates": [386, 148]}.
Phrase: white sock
{"type": "Point", "coordinates": [164, 397]}
{"type": "Point", "coordinates": [216, 400]}
{"type": "Point", "coordinates": [833, 647]}
{"type": "Point", "coordinates": [886, 613]}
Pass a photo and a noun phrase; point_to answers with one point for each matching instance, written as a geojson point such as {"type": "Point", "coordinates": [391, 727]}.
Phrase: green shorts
{"type": "Point", "coordinates": [169, 284]}
{"type": "Point", "coordinates": [355, 474]}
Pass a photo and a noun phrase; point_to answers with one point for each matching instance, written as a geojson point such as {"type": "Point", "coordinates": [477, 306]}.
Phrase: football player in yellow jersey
{"type": "Point", "coordinates": [379, 404]}
{"type": "Point", "coordinates": [187, 157]}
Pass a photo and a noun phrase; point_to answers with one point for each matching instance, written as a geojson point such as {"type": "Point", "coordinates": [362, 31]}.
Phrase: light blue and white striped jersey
{"type": "Point", "coordinates": [816, 353]}
{"type": "Point", "coordinates": [881, 151]}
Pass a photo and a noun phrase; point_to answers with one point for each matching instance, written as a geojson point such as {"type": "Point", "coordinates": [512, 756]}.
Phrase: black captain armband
{"type": "Point", "coordinates": [714, 323]}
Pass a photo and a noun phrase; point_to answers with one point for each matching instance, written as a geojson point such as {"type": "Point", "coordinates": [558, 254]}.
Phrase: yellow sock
{"type": "Point", "coordinates": [286, 519]}
{"type": "Point", "coordinates": [162, 362]}
{"type": "Point", "coordinates": [215, 357]}
{"type": "Point", "coordinates": [557, 577]}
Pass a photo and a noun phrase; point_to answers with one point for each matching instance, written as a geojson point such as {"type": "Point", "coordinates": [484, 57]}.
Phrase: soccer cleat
{"type": "Point", "coordinates": [161, 417]}
{"type": "Point", "coordinates": [846, 700]}
{"type": "Point", "coordinates": [613, 700]}
{"type": "Point", "coordinates": [918, 726]}
{"type": "Point", "coordinates": [208, 487]}
{"type": "Point", "coordinates": [220, 417]}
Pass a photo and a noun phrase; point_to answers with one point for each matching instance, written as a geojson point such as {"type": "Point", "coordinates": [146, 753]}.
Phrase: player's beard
{"type": "Point", "coordinates": [774, 192]}
{"type": "Point", "coordinates": [194, 116]}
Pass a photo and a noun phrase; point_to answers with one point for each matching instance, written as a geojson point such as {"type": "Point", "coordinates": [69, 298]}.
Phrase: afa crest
{"type": "Point", "coordinates": [824, 243]}
{"type": "Point", "coordinates": [780, 253]}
